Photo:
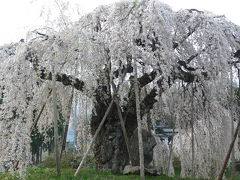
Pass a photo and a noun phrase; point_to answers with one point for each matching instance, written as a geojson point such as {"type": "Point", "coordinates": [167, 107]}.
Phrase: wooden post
{"type": "Point", "coordinates": [124, 130]}
{"type": "Point", "coordinates": [140, 140]}
{"type": "Point", "coordinates": [39, 115]}
{"type": "Point", "coordinates": [171, 145]}
{"type": "Point", "coordinates": [170, 155]}
{"type": "Point", "coordinates": [229, 152]}
{"type": "Point", "coordinates": [55, 121]}
{"type": "Point", "coordinates": [232, 143]}
{"type": "Point", "coordinates": [94, 137]}
{"type": "Point", "coordinates": [232, 120]}
{"type": "Point", "coordinates": [192, 133]}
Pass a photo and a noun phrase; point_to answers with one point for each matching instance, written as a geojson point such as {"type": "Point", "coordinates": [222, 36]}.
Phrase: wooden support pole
{"type": "Point", "coordinates": [170, 155]}
{"type": "Point", "coordinates": [232, 119]}
{"type": "Point", "coordinates": [15, 166]}
{"type": "Point", "coordinates": [94, 137]}
{"type": "Point", "coordinates": [232, 143]}
{"type": "Point", "coordinates": [140, 140]}
{"type": "Point", "coordinates": [39, 115]}
{"type": "Point", "coordinates": [192, 134]}
{"type": "Point", "coordinates": [229, 152]}
{"type": "Point", "coordinates": [55, 122]}
{"type": "Point", "coordinates": [124, 130]}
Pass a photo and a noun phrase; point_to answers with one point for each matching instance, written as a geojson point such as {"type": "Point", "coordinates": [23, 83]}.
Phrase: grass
{"type": "Point", "coordinates": [41, 173]}
{"type": "Point", "coordinates": [46, 171]}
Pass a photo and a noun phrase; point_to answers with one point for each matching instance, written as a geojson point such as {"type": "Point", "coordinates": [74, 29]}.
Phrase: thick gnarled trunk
{"type": "Point", "coordinates": [110, 147]}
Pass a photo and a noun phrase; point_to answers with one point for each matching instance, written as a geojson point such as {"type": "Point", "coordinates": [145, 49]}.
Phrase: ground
{"type": "Point", "coordinates": [40, 173]}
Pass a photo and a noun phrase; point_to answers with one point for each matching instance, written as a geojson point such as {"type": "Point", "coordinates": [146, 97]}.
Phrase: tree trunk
{"type": "Point", "coordinates": [110, 149]}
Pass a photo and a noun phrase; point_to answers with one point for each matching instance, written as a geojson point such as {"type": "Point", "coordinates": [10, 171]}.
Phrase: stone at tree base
{"type": "Point", "coordinates": [135, 170]}
{"type": "Point", "coordinates": [131, 169]}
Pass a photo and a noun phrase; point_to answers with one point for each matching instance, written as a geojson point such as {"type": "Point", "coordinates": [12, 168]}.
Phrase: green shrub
{"type": "Point", "coordinates": [8, 176]}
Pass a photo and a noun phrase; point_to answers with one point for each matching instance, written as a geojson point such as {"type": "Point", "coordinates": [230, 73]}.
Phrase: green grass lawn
{"type": "Point", "coordinates": [85, 174]}
{"type": "Point", "coordinates": [40, 173]}
{"type": "Point", "coordinates": [47, 171]}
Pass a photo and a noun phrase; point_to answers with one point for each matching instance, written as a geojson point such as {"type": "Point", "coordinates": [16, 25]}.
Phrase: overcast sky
{"type": "Point", "coordinates": [19, 16]}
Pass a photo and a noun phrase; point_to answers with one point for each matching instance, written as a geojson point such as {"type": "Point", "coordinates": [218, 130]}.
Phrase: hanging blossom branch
{"type": "Point", "coordinates": [43, 73]}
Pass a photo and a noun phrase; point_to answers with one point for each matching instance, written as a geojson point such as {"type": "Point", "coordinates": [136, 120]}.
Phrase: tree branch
{"type": "Point", "coordinates": [147, 78]}
{"type": "Point", "coordinates": [148, 102]}
{"type": "Point", "coordinates": [65, 79]}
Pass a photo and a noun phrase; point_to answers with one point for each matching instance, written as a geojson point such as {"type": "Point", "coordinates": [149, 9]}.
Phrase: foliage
{"type": "Point", "coordinates": [69, 160]}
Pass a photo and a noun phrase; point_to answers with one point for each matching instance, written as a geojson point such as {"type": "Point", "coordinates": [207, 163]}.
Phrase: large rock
{"type": "Point", "coordinates": [136, 170]}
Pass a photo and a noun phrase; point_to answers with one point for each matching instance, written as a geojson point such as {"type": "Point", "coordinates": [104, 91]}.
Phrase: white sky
{"type": "Point", "coordinates": [19, 16]}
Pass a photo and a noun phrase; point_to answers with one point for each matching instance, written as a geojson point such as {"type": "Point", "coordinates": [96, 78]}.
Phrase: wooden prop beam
{"type": "Point", "coordinates": [124, 130]}
{"type": "Point", "coordinates": [94, 137]}
{"type": "Point", "coordinates": [39, 115]}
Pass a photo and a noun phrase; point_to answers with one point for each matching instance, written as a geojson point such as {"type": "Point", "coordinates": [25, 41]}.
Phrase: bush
{"type": "Point", "coordinates": [7, 176]}
{"type": "Point", "coordinates": [69, 160]}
